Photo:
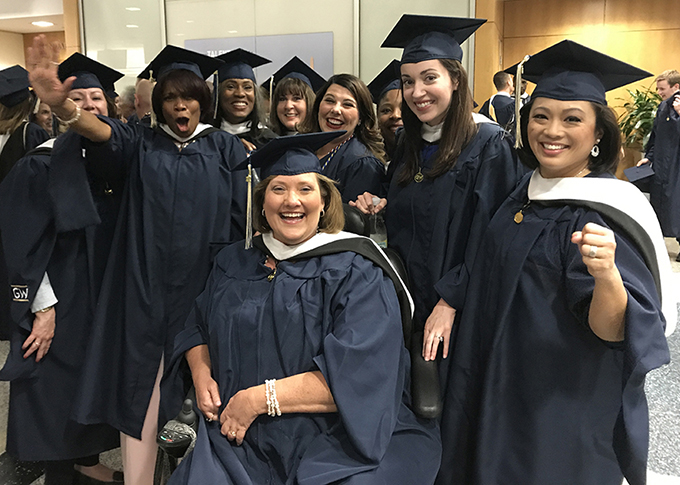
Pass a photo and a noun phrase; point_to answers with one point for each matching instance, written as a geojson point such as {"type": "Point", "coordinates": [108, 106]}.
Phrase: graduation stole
{"type": "Point", "coordinates": [627, 210]}
{"type": "Point", "coordinates": [322, 244]}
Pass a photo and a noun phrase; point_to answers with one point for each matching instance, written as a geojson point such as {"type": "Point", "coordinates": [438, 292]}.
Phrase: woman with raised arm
{"type": "Point", "coordinates": [562, 319]}
{"type": "Point", "coordinates": [182, 198]}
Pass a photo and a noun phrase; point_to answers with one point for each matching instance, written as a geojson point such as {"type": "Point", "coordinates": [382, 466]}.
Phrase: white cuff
{"type": "Point", "coordinates": [45, 296]}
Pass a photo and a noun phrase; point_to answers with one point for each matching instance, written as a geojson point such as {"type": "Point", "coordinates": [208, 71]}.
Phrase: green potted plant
{"type": "Point", "coordinates": [637, 119]}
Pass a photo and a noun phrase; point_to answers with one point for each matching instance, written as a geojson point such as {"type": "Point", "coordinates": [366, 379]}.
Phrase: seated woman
{"type": "Point", "coordinates": [562, 319]}
{"type": "Point", "coordinates": [240, 107]}
{"type": "Point", "coordinates": [386, 92]}
{"type": "Point", "coordinates": [293, 96]}
{"type": "Point", "coordinates": [296, 349]}
{"type": "Point", "coordinates": [356, 160]}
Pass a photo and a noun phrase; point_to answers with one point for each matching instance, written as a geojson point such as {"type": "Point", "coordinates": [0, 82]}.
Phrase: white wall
{"type": "Point", "coordinates": [376, 19]}
{"type": "Point", "coordinates": [12, 51]}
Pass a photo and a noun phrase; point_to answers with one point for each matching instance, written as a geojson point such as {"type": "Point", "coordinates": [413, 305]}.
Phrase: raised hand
{"type": "Point", "coordinates": [42, 63]}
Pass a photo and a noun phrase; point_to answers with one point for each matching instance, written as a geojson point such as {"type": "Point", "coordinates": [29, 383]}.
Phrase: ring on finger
{"type": "Point", "coordinates": [441, 339]}
{"type": "Point", "coordinates": [593, 252]}
{"type": "Point", "coordinates": [232, 434]}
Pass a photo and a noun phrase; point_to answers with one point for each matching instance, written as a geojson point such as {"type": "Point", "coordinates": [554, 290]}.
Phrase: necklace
{"type": "Point", "coordinates": [332, 153]}
{"type": "Point", "coordinates": [417, 178]}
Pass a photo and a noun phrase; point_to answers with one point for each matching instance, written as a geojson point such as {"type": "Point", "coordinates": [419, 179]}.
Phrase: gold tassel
{"type": "Point", "coordinates": [518, 101]}
{"type": "Point", "coordinates": [271, 88]}
{"type": "Point", "coordinates": [216, 95]}
{"type": "Point", "coordinates": [249, 208]}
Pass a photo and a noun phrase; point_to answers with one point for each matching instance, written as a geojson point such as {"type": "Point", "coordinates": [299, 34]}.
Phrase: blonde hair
{"type": "Point", "coordinates": [671, 76]}
{"type": "Point", "coordinates": [333, 219]}
{"type": "Point", "coordinates": [11, 118]}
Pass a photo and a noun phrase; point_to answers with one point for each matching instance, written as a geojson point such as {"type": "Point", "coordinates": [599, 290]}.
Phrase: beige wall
{"type": "Point", "coordinates": [51, 37]}
{"type": "Point", "coordinates": [12, 51]}
{"type": "Point", "coordinates": [488, 48]}
{"type": "Point", "coordinates": [641, 32]}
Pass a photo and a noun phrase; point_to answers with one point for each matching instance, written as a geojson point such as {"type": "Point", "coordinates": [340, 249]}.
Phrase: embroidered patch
{"type": "Point", "coordinates": [19, 292]}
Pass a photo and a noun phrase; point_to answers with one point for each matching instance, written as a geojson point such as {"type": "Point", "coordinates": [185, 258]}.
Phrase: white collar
{"type": "Point", "coordinates": [236, 128]}
{"type": "Point", "coordinates": [47, 144]}
{"type": "Point", "coordinates": [625, 197]}
{"type": "Point", "coordinates": [200, 128]}
{"type": "Point", "coordinates": [480, 118]}
{"type": "Point", "coordinates": [503, 93]}
{"type": "Point", "coordinates": [431, 134]}
{"type": "Point", "coordinates": [282, 252]}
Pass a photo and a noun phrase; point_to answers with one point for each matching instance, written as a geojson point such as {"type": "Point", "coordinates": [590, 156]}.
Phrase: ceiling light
{"type": "Point", "coordinates": [190, 21]}
{"type": "Point", "coordinates": [42, 23]}
{"type": "Point", "coordinates": [233, 31]}
{"type": "Point", "coordinates": [133, 9]}
{"type": "Point", "coordinates": [132, 26]}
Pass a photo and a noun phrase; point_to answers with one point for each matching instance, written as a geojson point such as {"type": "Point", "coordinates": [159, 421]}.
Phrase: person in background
{"type": "Point", "coordinates": [662, 152]}
{"type": "Point", "coordinates": [161, 252]}
{"type": "Point", "coordinates": [56, 266]}
{"type": "Point", "coordinates": [41, 115]}
{"type": "Point", "coordinates": [240, 109]}
{"type": "Point", "coordinates": [563, 315]}
{"type": "Point", "coordinates": [386, 93]}
{"type": "Point", "coordinates": [356, 160]}
{"type": "Point", "coordinates": [143, 108]}
{"type": "Point", "coordinates": [501, 106]}
{"type": "Point", "coordinates": [295, 84]}
{"type": "Point", "coordinates": [126, 103]}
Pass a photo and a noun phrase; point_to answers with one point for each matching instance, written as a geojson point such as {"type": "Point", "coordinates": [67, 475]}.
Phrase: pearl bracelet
{"type": "Point", "coordinates": [273, 408]}
{"type": "Point", "coordinates": [75, 117]}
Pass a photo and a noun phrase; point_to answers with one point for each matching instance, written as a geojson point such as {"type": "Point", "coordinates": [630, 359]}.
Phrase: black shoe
{"type": "Point", "coordinates": [85, 480]}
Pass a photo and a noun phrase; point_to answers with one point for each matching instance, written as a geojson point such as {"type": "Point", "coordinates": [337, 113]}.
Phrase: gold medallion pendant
{"type": "Point", "coordinates": [519, 217]}
{"type": "Point", "coordinates": [419, 176]}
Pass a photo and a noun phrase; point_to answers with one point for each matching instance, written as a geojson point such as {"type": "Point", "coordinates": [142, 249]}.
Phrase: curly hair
{"type": "Point", "coordinates": [610, 141]}
{"type": "Point", "coordinates": [367, 131]}
{"type": "Point", "coordinates": [334, 217]}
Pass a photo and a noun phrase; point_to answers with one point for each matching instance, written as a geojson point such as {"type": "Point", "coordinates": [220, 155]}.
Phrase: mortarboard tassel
{"type": "Point", "coordinates": [518, 101]}
{"type": "Point", "coordinates": [154, 120]}
{"type": "Point", "coordinates": [216, 94]}
{"type": "Point", "coordinates": [249, 208]}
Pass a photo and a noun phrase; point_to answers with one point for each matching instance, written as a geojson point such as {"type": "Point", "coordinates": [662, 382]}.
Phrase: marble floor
{"type": "Point", "coordinates": [663, 394]}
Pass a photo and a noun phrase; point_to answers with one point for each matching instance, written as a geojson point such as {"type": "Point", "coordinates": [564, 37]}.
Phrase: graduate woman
{"type": "Point", "coordinates": [293, 96]}
{"type": "Point", "coordinates": [181, 199]}
{"type": "Point", "coordinates": [299, 377]}
{"type": "Point", "coordinates": [356, 161]}
{"type": "Point", "coordinates": [240, 109]}
{"type": "Point", "coordinates": [562, 319]}
{"type": "Point", "coordinates": [386, 93]}
{"type": "Point", "coordinates": [450, 174]}
{"type": "Point", "coordinates": [57, 219]}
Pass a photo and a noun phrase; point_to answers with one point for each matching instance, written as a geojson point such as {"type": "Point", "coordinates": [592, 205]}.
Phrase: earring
{"type": "Point", "coordinates": [595, 151]}
{"type": "Point", "coordinates": [323, 213]}
{"type": "Point", "coordinates": [263, 213]}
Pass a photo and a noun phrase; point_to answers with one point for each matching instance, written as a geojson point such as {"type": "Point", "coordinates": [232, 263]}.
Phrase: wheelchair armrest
{"type": "Point", "coordinates": [425, 389]}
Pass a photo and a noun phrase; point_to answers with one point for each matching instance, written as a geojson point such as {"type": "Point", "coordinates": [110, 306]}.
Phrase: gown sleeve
{"type": "Point", "coordinates": [365, 174]}
{"type": "Point", "coordinates": [361, 357]}
{"type": "Point", "coordinates": [35, 136]}
{"type": "Point", "coordinates": [644, 346]}
{"type": "Point", "coordinates": [498, 175]}
{"type": "Point", "coordinates": [114, 156]}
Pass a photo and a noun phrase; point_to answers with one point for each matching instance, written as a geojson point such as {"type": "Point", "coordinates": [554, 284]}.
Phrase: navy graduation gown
{"type": "Point", "coordinates": [533, 395]}
{"type": "Point", "coordinates": [179, 205]}
{"type": "Point", "coordinates": [663, 150]}
{"type": "Point", "coordinates": [504, 109]}
{"type": "Point", "coordinates": [42, 394]}
{"type": "Point", "coordinates": [336, 313]}
{"type": "Point", "coordinates": [355, 169]}
{"type": "Point", "coordinates": [436, 225]}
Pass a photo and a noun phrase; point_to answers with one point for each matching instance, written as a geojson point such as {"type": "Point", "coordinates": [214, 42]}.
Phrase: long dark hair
{"type": "Point", "coordinates": [367, 131]}
{"type": "Point", "coordinates": [188, 85]}
{"type": "Point", "coordinates": [256, 117]}
{"type": "Point", "coordinates": [294, 87]}
{"type": "Point", "coordinates": [610, 141]}
{"type": "Point", "coordinates": [458, 130]}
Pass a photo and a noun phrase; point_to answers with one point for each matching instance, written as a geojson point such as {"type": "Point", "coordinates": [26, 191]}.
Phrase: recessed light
{"type": "Point", "coordinates": [190, 21]}
{"type": "Point", "coordinates": [133, 9]}
{"type": "Point", "coordinates": [180, 35]}
{"type": "Point", "coordinates": [42, 23]}
{"type": "Point", "coordinates": [233, 31]}
{"type": "Point", "coordinates": [132, 26]}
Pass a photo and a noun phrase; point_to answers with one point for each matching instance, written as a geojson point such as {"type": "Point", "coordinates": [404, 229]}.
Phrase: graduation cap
{"type": "Point", "coordinates": [285, 155]}
{"type": "Point", "coordinates": [239, 64]}
{"type": "Point", "coordinates": [172, 58]}
{"type": "Point", "coordinates": [388, 79]}
{"type": "Point", "coordinates": [426, 37]}
{"type": "Point", "coordinates": [13, 86]}
{"type": "Point", "coordinates": [640, 176]}
{"type": "Point", "coordinates": [89, 73]}
{"type": "Point", "coordinates": [568, 71]}
{"type": "Point", "coordinates": [296, 68]}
